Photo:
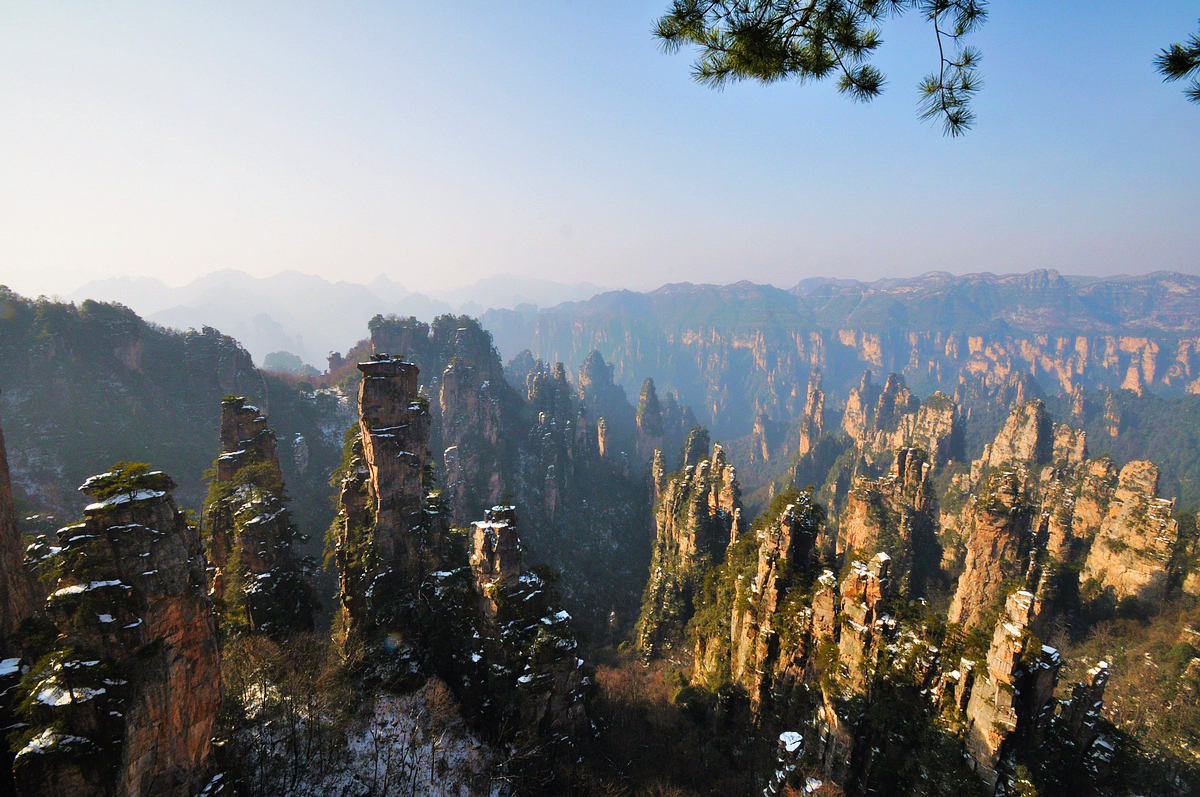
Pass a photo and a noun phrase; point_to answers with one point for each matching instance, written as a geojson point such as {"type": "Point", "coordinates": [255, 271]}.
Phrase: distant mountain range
{"type": "Point", "coordinates": [310, 316]}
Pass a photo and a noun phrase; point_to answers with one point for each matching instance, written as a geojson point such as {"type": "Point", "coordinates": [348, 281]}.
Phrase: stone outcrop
{"type": "Point", "coordinates": [1132, 548]}
{"type": "Point", "coordinates": [698, 513]}
{"type": "Point", "coordinates": [862, 592]}
{"type": "Point", "coordinates": [996, 527]}
{"type": "Point", "coordinates": [495, 553]}
{"type": "Point", "coordinates": [384, 540]}
{"type": "Point", "coordinates": [812, 422]}
{"type": "Point", "coordinates": [897, 419]}
{"type": "Point", "coordinates": [126, 703]}
{"type": "Point", "coordinates": [785, 551]}
{"type": "Point", "coordinates": [650, 430]}
{"type": "Point", "coordinates": [528, 636]}
{"type": "Point", "coordinates": [256, 581]}
{"type": "Point", "coordinates": [1027, 437]}
{"type": "Point", "coordinates": [896, 514]}
{"type": "Point", "coordinates": [1011, 696]}
{"type": "Point", "coordinates": [471, 415]}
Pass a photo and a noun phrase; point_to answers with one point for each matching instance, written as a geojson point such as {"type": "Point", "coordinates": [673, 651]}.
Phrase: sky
{"type": "Point", "coordinates": [440, 143]}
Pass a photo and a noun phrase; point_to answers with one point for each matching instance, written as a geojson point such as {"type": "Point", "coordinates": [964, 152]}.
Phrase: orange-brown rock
{"type": "Point", "coordinates": [1132, 548]}
{"type": "Point", "coordinates": [1027, 437]}
{"type": "Point", "coordinates": [1012, 695]}
{"type": "Point", "coordinates": [785, 548]}
{"type": "Point", "coordinates": [996, 525]}
{"type": "Point", "coordinates": [862, 593]}
{"type": "Point", "coordinates": [394, 423]}
{"type": "Point", "coordinates": [812, 422]}
{"type": "Point", "coordinates": [895, 513]}
{"type": "Point", "coordinates": [696, 516]}
{"type": "Point", "coordinates": [138, 676]}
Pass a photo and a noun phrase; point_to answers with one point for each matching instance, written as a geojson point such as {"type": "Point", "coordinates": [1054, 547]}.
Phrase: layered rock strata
{"type": "Point", "coordinates": [1011, 696]}
{"type": "Point", "coordinates": [896, 514]}
{"type": "Point", "coordinates": [125, 704]}
{"type": "Point", "coordinates": [385, 542]}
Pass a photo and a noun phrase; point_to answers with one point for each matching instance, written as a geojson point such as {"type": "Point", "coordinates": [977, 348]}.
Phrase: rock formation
{"type": "Point", "coordinates": [1027, 437]}
{"type": "Point", "coordinates": [698, 514]}
{"type": "Point", "coordinates": [495, 553]}
{"type": "Point", "coordinates": [650, 431]}
{"type": "Point", "coordinates": [528, 636]}
{"type": "Point", "coordinates": [812, 422]}
{"type": "Point", "coordinates": [1012, 696]}
{"type": "Point", "coordinates": [125, 703]}
{"type": "Point", "coordinates": [471, 425]}
{"type": "Point", "coordinates": [384, 540]}
{"type": "Point", "coordinates": [996, 527]}
{"type": "Point", "coordinates": [1132, 549]}
{"type": "Point", "coordinates": [785, 551]}
{"type": "Point", "coordinates": [897, 419]}
{"type": "Point", "coordinates": [256, 581]}
{"type": "Point", "coordinates": [896, 514]}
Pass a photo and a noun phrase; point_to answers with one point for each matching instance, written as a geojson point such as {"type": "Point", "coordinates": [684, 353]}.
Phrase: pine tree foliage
{"type": "Point", "coordinates": [771, 40]}
{"type": "Point", "coordinates": [1181, 60]}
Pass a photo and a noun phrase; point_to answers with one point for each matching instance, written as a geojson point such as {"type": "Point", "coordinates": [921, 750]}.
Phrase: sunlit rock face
{"type": "Point", "coordinates": [125, 705]}
{"type": "Point", "coordinates": [896, 513]}
{"type": "Point", "coordinates": [698, 513]}
{"type": "Point", "coordinates": [1010, 697]}
{"type": "Point", "coordinates": [1132, 549]}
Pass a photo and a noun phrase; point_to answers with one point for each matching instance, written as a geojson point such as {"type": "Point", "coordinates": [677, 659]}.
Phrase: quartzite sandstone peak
{"type": "Point", "coordinates": [126, 704]}
{"type": "Point", "coordinates": [250, 532]}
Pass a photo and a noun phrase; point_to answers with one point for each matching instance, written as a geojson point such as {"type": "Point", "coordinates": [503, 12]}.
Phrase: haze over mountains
{"type": "Point", "coordinates": [308, 315]}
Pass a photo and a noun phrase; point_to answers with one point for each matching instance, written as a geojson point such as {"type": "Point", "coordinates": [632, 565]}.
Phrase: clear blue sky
{"type": "Point", "coordinates": [439, 143]}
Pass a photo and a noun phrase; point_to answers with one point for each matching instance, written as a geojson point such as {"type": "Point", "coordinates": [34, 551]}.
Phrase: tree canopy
{"type": "Point", "coordinates": [770, 40]}
{"type": "Point", "coordinates": [1180, 60]}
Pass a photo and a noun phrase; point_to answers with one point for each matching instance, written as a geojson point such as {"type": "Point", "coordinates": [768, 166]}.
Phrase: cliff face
{"type": "Point", "coordinates": [697, 516]}
{"type": "Point", "coordinates": [934, 330]}
{"type": "Point", "coordinates": [1132, 548]}
{"type": "Point", "coordinates": [256, 582]}
{"type": "Point", "coordinates": [896, 514]}
{"type": "Point", "coordinates": [812, 422]}
{"type": "Point", "coordinates": [1027, 437]}
{"type": "Point", "coordinates": [125, 704]}
{"type": "Point", "coordinates": [385, 540]}
{"type": "Point", "coordinates": [757, 638]}
{"type": "Point", "coordinates": [996, 526]}
{"type": "Point", "coordinates": [896, 419]}
{"type": "Point", "coordinates": [1010, 697]}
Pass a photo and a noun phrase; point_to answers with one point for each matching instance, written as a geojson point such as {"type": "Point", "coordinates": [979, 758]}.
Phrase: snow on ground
{"type": "Point", "coordinates": [403, 744]}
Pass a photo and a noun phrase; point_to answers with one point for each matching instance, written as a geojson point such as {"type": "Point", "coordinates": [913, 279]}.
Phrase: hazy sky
{"type": "Point", "coordinates": [442, 142]}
